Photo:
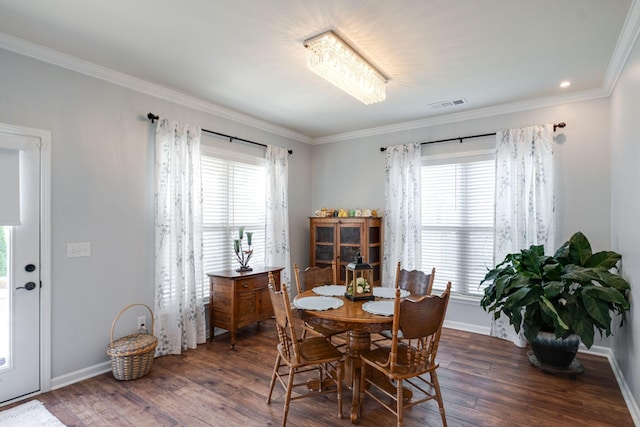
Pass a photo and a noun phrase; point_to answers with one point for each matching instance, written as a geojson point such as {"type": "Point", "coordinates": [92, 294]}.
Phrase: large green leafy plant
{"type": "Point", "coordinates": [571, 292]}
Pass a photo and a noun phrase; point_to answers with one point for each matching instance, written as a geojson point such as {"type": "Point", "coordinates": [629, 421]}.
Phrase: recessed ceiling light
{"type": "Point", "coordinates": [565, 84]}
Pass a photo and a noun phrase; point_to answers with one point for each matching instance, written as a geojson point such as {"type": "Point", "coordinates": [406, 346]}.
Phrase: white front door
{"type": "Point", "coordinates": [20, 266]}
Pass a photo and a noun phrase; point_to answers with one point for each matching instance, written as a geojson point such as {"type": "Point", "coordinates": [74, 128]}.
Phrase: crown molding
{"type": "Point", "coordinates": [467, 115]}
{"type": "Point", "coordinates": [51, 56]}
{"type": "Point", "coordinates": [624, 45]}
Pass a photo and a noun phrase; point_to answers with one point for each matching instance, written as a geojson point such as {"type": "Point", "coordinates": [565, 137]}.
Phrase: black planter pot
{"type": "Point", "coordinates": [552, 351]}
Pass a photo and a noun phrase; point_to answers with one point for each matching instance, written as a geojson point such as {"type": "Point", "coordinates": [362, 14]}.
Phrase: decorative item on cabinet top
{"type": "Point", "coordinates": [243, 256]}
{"type": "Point", "coordinates": [343, 213]}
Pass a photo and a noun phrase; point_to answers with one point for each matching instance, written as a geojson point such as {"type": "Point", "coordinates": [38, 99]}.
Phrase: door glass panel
{"type": "Point", "coordinates": [348, 253]}
{"type": "Point", "coordinates": [374, 254]}
{"type": "Point", "coordinates": [324, 253]}
{"type": "Point", "coordinates": [324, 234]}
{"type": "Point", "coordinates": [4, 297]}
{"type": "Point", "coordinates": [350, 235]}
{"type": "Point", "coordinates": [374, 234]}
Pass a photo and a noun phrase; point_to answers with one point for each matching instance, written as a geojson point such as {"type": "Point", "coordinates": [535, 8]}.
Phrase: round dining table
{"type": "Point", "coordinates": [359, 325]}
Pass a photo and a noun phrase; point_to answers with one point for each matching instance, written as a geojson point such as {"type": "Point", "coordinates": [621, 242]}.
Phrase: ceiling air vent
{"type": "Point", "coordinates": [447, 104]}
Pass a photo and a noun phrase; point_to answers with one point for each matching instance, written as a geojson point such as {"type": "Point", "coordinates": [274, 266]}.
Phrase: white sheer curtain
{"type": "Point", "coordinates": [402, 228]}
{"type": "Point", "coordinates": [179, 299]}
{"type": "Point", "coordinates": [524, 200]}
{"type": "Point", "coordinates": [277, 236]}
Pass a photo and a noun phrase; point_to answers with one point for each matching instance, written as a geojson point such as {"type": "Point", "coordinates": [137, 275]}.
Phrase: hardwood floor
{"type": "Point", "coordinates": [485, 382]}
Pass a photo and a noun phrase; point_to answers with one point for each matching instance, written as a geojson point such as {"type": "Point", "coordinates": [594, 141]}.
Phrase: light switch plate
{"type": "Point", "coordinates": [78, 249]}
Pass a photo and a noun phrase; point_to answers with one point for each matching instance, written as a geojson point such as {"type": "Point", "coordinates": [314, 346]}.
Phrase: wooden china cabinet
{"type": "Point", "coordinates": [333, 237]}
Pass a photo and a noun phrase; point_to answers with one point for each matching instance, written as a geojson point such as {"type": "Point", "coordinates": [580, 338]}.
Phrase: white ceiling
{"type": "Point", "coordinates": [247, 56]}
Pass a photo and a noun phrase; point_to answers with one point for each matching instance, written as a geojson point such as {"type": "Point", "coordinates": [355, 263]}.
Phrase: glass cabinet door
{"type": "Point", "coordinates": [324, 243]}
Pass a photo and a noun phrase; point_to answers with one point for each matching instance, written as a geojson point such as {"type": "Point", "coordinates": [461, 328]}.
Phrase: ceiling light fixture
{"type": "Point", "coordinates": [565, 84]}
{"type": "Point", "coordinates": [334, 60]}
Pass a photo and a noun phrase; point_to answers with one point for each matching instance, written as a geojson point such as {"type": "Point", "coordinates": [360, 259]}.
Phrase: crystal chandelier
{"type": "Point", "coordinates": [334, 60]}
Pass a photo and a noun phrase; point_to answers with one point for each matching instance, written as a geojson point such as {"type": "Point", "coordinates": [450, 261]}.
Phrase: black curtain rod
{"type": "Point", "coordinates": [461, 138]}
{"type": "Point", "coordinates": [153, 118]}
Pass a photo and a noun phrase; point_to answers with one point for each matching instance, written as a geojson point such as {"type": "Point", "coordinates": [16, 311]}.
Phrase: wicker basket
{"type": "Point", "coordinates": [132, 355]}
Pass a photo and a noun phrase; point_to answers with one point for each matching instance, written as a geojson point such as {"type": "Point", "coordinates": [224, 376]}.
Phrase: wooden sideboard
{"type": "Point", "coordinates": [239, 299]}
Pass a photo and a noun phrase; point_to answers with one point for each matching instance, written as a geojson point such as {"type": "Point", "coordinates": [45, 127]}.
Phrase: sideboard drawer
{"type": "Point", "coordinates": [252, 283]}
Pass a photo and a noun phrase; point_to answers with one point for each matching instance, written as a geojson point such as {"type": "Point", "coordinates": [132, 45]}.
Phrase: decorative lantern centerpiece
{"type": "Point", "coordinates": [359, 279]}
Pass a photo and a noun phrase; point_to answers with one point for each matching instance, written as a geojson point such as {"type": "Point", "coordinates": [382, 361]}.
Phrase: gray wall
{"type": "Point", "coordinates": [625, 209]}
{"type": "Point", "coordinates": [102, 193]}
{"type": "Point", "coordinates": [351, 174]}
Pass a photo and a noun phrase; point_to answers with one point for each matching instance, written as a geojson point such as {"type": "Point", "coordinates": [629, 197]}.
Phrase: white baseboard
{"type": "Point", "coordinates": [82, 374]}
{"type": "Point", "coordinates": [467, 327]}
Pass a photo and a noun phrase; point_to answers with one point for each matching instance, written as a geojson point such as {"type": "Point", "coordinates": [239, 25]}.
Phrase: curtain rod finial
{"type": "Point", "coordinates": [152, 117]}
{"type": "Point", "coordinates": [383, 149]}
{"type": "Point", "coordinates": [559, 125]}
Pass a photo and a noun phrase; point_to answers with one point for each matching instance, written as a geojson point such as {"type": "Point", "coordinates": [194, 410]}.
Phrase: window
{"type": "Point", "coordinates": [234, 188]}
{"type": "Point", "coordinates": [457, 219]}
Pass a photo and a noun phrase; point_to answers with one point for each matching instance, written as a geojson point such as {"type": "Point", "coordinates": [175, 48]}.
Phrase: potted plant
{"type": "Point", "coordinates": [572, 293]}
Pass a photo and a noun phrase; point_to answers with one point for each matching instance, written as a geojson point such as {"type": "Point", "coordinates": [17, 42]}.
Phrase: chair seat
{"type": "Point", "coordinates": [380, 356]}
{"type": "Point", "coordinates": [318, 349]}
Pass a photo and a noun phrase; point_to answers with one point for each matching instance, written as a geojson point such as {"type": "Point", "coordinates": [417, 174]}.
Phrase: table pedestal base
{"type": "Point", "coordinates": [357, 341]}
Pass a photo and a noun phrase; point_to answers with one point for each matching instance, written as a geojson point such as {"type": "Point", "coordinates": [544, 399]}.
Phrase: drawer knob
{"type": "Point", "coordinates": [245, 285]}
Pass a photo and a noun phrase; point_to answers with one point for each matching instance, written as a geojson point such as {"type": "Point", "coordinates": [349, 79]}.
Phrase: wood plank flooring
{"type": "Point", "coordinates": [485, 382]}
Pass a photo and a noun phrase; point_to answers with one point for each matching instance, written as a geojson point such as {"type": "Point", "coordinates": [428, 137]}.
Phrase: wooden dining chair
{"type": "Point", "coordinates": [410, 358]}
{"type": "Point", "coordinates": [312, 277]}
{"type": "Point", "coordinates": [417, 282]}
{"type": "Point", "coordinates": [315, 276]}
{"type": "Point", "coordinates": [314, 359]}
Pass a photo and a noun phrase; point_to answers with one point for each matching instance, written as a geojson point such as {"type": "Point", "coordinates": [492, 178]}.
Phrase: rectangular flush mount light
{"type": "Point", "coordinates": [334, 60]}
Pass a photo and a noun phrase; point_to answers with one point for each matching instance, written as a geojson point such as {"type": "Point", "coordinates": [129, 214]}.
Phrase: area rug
{"type": "Point", "coordinates": [30, 414]}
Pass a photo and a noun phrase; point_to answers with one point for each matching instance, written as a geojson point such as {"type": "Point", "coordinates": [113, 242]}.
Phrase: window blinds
{"type": "Point", "coordinates": [233, 196]}
{"type": "Point", "coordinates": [457, 220]}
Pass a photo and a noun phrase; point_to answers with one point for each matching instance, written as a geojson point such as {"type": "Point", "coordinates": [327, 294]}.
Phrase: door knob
{"type": "Point", "coordinates": [28, 286]}
{"type": "Point", "coordinates": [30, 267]}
